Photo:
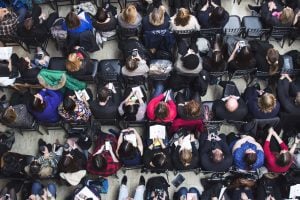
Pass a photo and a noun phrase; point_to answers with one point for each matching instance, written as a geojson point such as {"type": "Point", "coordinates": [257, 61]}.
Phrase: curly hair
{"type": "Point", "coordinates": [267, 102]}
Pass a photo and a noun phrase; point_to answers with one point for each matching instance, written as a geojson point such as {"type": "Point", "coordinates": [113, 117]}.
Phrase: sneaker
{"type": "Point", "coordinates": [124, 180]}
{"type": "Point", "coordinates": [142, 180]}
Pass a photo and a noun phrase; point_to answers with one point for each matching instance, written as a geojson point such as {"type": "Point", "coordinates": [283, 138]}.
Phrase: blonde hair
{"type": "Point", "coordinates": [186, 157]}
{"type": "Point", "coordinates": [182, 17]}
{"type": "Point", "coordinates": [157, 16]}
{"type": "Point", "coordinates": [267, 102]}
{"type": "Point", "coordinates": [73, 63]}
{"type": "Point", "coordinates": [287, 16]}
{"type": "Point", "coordinates": [130, 14]}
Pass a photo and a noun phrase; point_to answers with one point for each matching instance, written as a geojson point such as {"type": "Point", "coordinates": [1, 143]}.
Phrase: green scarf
{"type": "Point", "coordinates": [56, 79]}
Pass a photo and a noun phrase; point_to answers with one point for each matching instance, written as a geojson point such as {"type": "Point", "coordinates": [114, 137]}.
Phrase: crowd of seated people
{"type": "Point", "coordinates": [172, 101]}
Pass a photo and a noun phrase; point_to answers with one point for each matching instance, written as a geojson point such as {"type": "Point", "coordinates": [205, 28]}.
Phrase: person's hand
{"type": "Point", "coordinates": [260, 92]}
{"type": "Point", "coordinates": [297, 140]}
{"type": "Point", "coordinates": [31, 197]}
{"type": "Point", "coordinates": [160, 141]}
{"type": "Point", "coordinates": [180, 140]}
{"type": "Point", "coordinates": [272, 6]}
{"type": "Point", "coordinates": [39, 97]}
{"type": "Point", "coordinates": [192, 137]}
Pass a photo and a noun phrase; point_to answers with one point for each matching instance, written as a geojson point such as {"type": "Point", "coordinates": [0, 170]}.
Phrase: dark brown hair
{"type": "Point", "coordinates": [103, 93]}
{"type": "Point", "coordinates": [273, 57]}
{"type": "Point", "coordinates": [161, 111]}
{"type": "Point", "coordinates": [250, 159]}
{"type": "Point", "coordinates": [192, 109]}
{"type": "Point", "coordinates": [9, 115]}
{"type": "Point", "coordinates": [101, 15]}
{"type": "Point", "coordinates": [283, 159]}
{"type": "Point", "coordinates": [72, 20]}
{"type": "Point", "coordinates": [131, 63]}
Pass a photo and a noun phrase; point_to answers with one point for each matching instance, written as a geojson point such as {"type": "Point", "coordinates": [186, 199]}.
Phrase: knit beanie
{"type": "Point", "coordinates": [190, 61]}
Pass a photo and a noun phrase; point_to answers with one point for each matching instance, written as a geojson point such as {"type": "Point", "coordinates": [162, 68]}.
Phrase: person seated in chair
{"type": "Point", "coordinates": [139, 192]}
{"type": "Point", "coordinates": [241, 188]}
{"type": "Point", "coordinates": [28, 70]}
{"type": "Point", "coordinates": [103, 161]}
{"type": "Point", "coordinates": [130, 147]}
{"type": "Point", "coordinates": [72, 163]}
{"type": "Point", "coordinates": [130, 18]}
{"type": "Point", "coordinates": [17, 116]}
{"type": "Point", "coordinates": [268, 59]}
{"type": "Point", "coordinates": [35, 28]}
{"type": "Point", "coordinates": [240, 54]}
{"type": "Point", "coordinates": [75, 110]}
{"type": "Point", "coordinates": [273, 14]}
{"type": "Point", "coordinates": [157, 155]}
{"type": "Point", "coordinates": [212, 15]}
{"type": "Point", "coordinates": [188, 60]}
{"type": "Point", "coordinates": [8, 72]}
{"type": "Point", "coordinates": [215, 154]}
{"type": "Point", "coordinates": [185, 153]}
{"type": "Point", "coordinates": [288, 95]}
{"type": "Point", "coordinates": [160, 110]}
{"type": "Point", "coordinates": [79, 28]}
{"type": "Point", "coordinates": [231, 106]}
{"type": "Point", "coordinates": [105, 106]}
{"type": "Point", "coordinates": [188, 107]}
{"type": "Point", "coordinates": [135, 65]}
{"type": "Point", "coordinates": [247, 153]}
{"type": "Point", "coordinates": [43, 105]}
{"type": "Point", "coordinates": [133, 47]}
{"type": "Point", "coordinates": [8, 22]}
{"type": "Point", "coordinates": [78, 62]}
{"type": "Point", "coordinates": [261, 103]}
{"type": "Point", "coordinates": [156, 34]}
{"type": "Point", "coordinates": [133, 108]}
{"type": "Point", "coordinates": [105, 23]}
{"type": "Point", "coordinates": [278, 162]}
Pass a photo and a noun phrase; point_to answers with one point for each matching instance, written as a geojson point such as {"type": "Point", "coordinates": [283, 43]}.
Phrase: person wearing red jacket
{"type": "Point", "coordinates": [162, 108]}
{"type": "Point", "coordinates": [278, 162]}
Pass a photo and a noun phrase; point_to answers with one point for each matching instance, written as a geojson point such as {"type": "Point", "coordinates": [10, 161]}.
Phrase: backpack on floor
{"type": "Point", "coordinates": [158, 185]}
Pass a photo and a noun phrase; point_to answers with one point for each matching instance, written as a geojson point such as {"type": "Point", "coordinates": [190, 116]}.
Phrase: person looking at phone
{"type": "Point", "coordinates": [105, 106]}
{"type": "Point", "coordinates": [240, 54]}
{"type": "Point", "coordinates": [130, 147]}
{"type": "Point", "coordinates": [43, 105]}
{"type": "Point", "coordinates": [288, 95]}
{"type": "Point", "coordinates": [8, 22]}
{"type": "Point", "coordinates": [212, 15]}
{"type": "Point", "coordinates": [135, 65]}
{"type": "Point", "coordinates": [162, 108]}
{"type": "Point", "coordinates": [103, 161]}
{"type": "Point", "coordinates": [133, 108]}
{"type": "Point", "coordinates": [267, 57]}
{"type": "Point", "coordinates": [278, 161]}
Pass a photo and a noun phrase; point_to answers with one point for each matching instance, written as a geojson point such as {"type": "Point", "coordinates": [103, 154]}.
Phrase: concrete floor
{"type": "Point", "coordinates": [27, 144]}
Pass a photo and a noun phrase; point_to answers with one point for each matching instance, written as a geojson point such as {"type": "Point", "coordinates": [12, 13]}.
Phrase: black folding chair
{"type": "Point", "coordinates": [209, 33]}
{"type": "Point", "coordinates": [233, 26]}
{"type": "Point", "coordinates": [13, 40]}
{"type": "Point", "coordinates": [280, 34]}
{"type": "Point", "coordinates": [253, 27]}
{"type": "Point", "coordinates": [246, 74]}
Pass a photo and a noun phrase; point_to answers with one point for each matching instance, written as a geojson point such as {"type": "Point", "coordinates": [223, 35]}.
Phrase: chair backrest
{"type": "Point", "coordinates": [109, 70]}
{"type": "Point", "coordinates": [243, 73]}
{"type": "Point", "coordinates": [124, 33]}
{"type": "Point", "coordinates": [209, 33]}
{"type": "Point", "coordinates": [280, 32]}
{"type": "Point", "coordinates": [179, 34]}
{"type": "Point", "coordinates": [233, 26]}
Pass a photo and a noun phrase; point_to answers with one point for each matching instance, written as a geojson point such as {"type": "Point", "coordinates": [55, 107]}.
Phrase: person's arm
{"type": "Point", "coordinates": [172, 111]}
{"type": "Point", "coordinates": [141, 112]}
{"type": "Point", "coordinates": [139, 141]}
{"type": "Point", "coordinates": [205, 7]}
{"type": "Point", "coordinates": [152, 105]}
{"type": "Point", "coordinates": [113, 154]}
{"type": "Point", "coordinates": [120, 140]}
{"type": "Point", "coordinates": [163, 146]}
{"type": "Point", "coordinates": [233, 54]}
{"type": "Point", "coordinates": [120, 108]}
{"type": "Point", "coordinates": [99, 150]}
{"type": "Point", "coordinates": [292, 150]}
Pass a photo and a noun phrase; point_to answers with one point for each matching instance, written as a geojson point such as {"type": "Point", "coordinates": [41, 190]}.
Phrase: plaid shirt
{"type": "Point", "coordinates": [111, 167]}
{"type": "Point", "coordinates": [8, 26]}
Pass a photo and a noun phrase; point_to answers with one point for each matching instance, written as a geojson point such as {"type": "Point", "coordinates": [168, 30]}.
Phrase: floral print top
{"type": "Point", "coordinates": [80, 113]}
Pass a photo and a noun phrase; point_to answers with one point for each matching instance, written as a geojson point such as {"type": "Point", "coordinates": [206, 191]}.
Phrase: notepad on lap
{"type": "Point", "coordinates": [5, 53]}
{"type": "Point", "coordinates": [82, 93]}
{"type": "Point", "coordinates": [157, 131]}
